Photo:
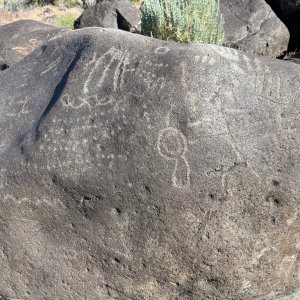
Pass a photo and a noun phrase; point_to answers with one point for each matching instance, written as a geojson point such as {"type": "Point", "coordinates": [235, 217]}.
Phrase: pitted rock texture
{"type": "Point", "coordinates": [294, 296]}
{"type": "Point", "coordinates": [19, 38]}
{"type": "Point", "coordinates": [253, 27]}
{"type": "Point", "coordinates": [119, 14]}
{"type": "Point", "coordinates": [132, 168]}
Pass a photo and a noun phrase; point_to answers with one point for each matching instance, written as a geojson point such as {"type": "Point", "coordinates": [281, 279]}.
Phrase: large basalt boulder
{"type": "Point", "coordinates": [19, 38]}
{"type": "Point", "coordinates": [119, 14]}
{"type": "Point", "coordinates": [133, 168]}
{"type": "Point", "coordinates": [252, 26]}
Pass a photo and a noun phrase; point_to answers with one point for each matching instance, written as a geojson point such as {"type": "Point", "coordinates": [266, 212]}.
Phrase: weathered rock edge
{"type": "Point", "coordinates": [18, 39]}
{"type": "Point", "coordinates": [133, 168]}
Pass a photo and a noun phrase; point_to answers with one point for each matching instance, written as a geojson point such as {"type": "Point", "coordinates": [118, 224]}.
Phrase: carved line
{"type": "Point", "coordinates": [118, 80]}
{"type": "Point", "coordinates": [228, 53]}
{"type": "Point", "coordinates": [176, 154]}
{"type": "Point", "coordinates": [161, 50]}
{"type": "Point", "coordinates": [269, 87]}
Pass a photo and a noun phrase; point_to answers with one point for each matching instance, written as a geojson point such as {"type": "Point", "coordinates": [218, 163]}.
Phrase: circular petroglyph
{"type": "Point", "coordinates": [172, 143]}
{"type": "Point", "coordinates": [161, 50]}
{"type": "Point", "coordinates": [73, 102]}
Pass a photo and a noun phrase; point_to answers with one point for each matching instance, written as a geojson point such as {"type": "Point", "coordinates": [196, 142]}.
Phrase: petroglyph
{"type": "Point", "coordinates": [25, 50]}
{"type": "Point", "coordinates": [23, 109]}
{"type": "Point", "coordinates": [247, 62]}
{"type": "Point", "coordinates": [52, 66]}
{"type": "Point", "coordinates": [268, 86]}
{"type": "Point", "coordinates": [111, 66]}
{"type": "Point", "coordinates": [104, 77]}
{"type": "Point", "coordinates": [2, 178]}
{"type": "Point", "coordinates": [235, 56]}
{"type": "Point", "coordinates": [72, 102]}
{"type": "Point", "coordinates": [228, 53]}
{"type": "Point", "coordinates": [172, 145]}
{"type": "Point", "coordinates": [161, 50]}
{"type": "Point", "coordinates": [183, 77]}
{"type": "Point", "coordinates": [53, 202]}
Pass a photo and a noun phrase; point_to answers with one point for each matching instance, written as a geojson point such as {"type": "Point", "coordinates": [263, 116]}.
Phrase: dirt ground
{"type": "Point", "coordinates": [43, 14]}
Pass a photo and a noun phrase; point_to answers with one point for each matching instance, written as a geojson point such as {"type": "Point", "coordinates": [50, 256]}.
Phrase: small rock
{"type": "Point", "coordinates": [119, 14]}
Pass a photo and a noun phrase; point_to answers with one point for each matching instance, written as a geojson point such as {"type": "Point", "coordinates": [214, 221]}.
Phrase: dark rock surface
{"type": "Point", "coordinates": [119, 14]}
{"type": "Point", "coordinates": [132, 168]}
{"type": "Point", "coordinates": [19, 38]}
{"type": "Point", "coordinates": [252, 26]}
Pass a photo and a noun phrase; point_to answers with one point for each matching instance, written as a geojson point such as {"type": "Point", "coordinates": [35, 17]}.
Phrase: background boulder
{"type": "Point", "coordinates": [119, 14]}
{"type": "Point", "coordinates": [19, 38]}
{"type": "Point", "coordinates": [289, 12]}
{"type": "Point", "coordinates": [252, 26]}
{"type": "Point", "coordinates": [88, 3]}
{"type": "Point", "coordinates": [133, 168]}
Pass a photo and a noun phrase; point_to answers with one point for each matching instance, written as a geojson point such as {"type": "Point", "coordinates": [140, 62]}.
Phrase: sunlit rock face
{"type": "Point", "coordinates": [252, 26]}
{"type": "Point", "coordinates": [132, 168]}
{"type": "Point", "coordinates": [18, 39]}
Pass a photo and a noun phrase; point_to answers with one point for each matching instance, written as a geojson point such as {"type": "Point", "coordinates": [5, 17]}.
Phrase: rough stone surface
{"type": "Point", "coordinates": [132, 168]}
{"type": "Point", "coordinates": [252, 26]}
{"type": "Point", "coordinates": [294, 296]}
{"type": "Point", "coordinates": [111, 14]}
{"type": "Point", "coordinates": [19, 38]}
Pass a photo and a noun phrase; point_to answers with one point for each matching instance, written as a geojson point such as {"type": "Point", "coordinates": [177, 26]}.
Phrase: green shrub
{"type": "Point", "coordinates": [72, 3]}
{"type": "Point", "coordinates": [187, 21]}
{"type": "Point", "coordinates": [67, 3]}
{"type": "Point", "coordinates": [65, 21]}
{"type": "Point", "coordinates": [40, 2]}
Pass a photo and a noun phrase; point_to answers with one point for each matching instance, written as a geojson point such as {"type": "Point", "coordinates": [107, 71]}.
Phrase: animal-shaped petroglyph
{"type": "Point", "coordinates": [99, 90]}
{"type": "Point", "coordinates": [172, 145]}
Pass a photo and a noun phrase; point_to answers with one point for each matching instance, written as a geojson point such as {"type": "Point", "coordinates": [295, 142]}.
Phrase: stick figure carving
{"type": "Point", "coordinates": [172, 145]}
